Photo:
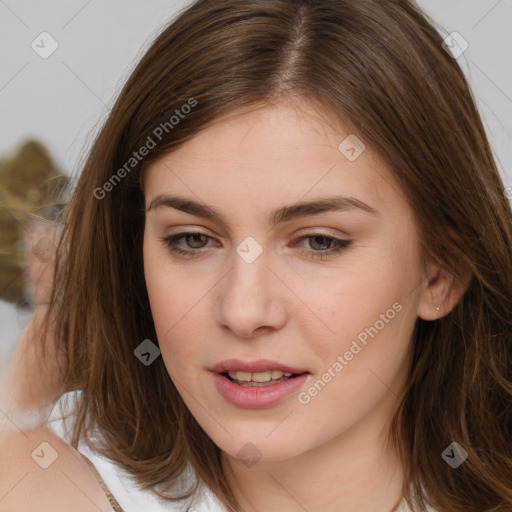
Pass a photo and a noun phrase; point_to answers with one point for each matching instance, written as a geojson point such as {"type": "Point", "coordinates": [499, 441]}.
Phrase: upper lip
{"type": "Point", "coordinates": [255, 366]}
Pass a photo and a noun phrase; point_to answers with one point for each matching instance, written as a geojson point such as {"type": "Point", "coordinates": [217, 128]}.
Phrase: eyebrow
{"type": "Point", "coordinates": [277, 216]}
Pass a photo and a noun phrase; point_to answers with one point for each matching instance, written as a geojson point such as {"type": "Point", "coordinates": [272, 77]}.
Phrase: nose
{"type": "Point", "coordinates": [251, 299]}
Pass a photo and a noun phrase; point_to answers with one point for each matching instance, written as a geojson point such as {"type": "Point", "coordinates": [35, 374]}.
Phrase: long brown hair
{"type": "Point", "coordinates": [381, 67]}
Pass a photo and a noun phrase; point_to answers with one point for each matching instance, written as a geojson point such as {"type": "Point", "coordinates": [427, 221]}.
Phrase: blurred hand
{"type": "Point", "coordinates": [41, 244]}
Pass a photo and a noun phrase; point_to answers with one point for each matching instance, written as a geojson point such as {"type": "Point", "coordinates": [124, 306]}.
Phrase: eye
{"type": "Point", "coordinates": [193, 238]}
{"type": "Point", "coordinates": [318, 241]}
{"type": "Point", "coordinates": [196, 241]}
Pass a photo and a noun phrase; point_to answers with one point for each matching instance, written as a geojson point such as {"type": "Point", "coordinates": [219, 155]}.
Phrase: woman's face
{"type": "Point", "coordinates": [262, 287]}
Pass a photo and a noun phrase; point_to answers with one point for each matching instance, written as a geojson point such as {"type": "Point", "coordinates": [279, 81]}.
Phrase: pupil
{"type": "Point", "coordinates": [196, 238]}
{"type": "Point", "coordinates": [321, 238]}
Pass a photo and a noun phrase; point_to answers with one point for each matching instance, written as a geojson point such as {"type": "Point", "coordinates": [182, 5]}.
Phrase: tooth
{"type": "Point", "coordinates": [262, 376]}
{"type": "Point", "coordinates": [259, 376]}
{"type": "Point", "coordinates": [242, 376]}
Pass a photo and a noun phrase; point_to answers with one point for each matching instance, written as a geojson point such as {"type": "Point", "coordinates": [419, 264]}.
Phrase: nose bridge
{"type": "Point", "coordinates": [248, 280]}
{"type": "Point", "coordinates": [249, 295]}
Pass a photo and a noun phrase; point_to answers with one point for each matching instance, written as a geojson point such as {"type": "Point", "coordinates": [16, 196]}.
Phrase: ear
{"type": "Point", "coordinates": [444, 288]}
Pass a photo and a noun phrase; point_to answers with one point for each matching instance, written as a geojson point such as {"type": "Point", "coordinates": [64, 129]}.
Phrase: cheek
{"type": "Point", "coordinates": [174, 328]}
{"type": "Point", "coordinates": [370, 312]}
{"type": "Point", "coordinates": [176, 308]}
{"type": "Point", "coordinates": [170, 308]}
{"type": "Point", "coordinates": [167, 289]}
{"type": "Point", "coordinates": [371, 332]}
{"type": "Point", "coordinates": [363, 361]}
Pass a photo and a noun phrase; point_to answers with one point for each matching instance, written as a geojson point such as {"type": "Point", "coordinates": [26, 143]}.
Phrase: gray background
{"type": "Point", "coordinates": [63, 99]}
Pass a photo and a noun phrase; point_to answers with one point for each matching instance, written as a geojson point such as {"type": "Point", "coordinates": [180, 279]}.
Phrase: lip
{"type": "Point", "coordinates": [257, 397]}
{"type": "Point", "coordinates": [258, 365]}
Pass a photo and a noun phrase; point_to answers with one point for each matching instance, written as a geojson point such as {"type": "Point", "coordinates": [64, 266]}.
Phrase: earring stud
{"type": "Point", "coordinates": [438, 309]}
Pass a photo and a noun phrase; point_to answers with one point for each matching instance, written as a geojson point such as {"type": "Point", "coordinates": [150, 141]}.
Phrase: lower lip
{"type": "Point", "coordinates": [256, 397]}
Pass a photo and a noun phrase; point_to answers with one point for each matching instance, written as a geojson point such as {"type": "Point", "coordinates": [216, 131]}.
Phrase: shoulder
{"type": "Point", "coordinates": [39, 471]}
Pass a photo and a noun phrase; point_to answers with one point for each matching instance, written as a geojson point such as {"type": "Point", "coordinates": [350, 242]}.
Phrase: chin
{"type": "Point", "coordinates": [251, 450]}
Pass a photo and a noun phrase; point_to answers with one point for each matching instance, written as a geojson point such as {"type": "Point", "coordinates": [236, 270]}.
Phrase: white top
{"type": "Point", "coordinates": [120, 483]}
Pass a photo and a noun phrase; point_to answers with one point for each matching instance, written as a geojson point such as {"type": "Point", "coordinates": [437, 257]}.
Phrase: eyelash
{"type": "Point", "coordinates": [340, 245]}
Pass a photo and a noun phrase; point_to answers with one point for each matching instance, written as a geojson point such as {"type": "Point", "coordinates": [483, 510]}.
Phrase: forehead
{"type": "Point", "coordinates": [272, 155]}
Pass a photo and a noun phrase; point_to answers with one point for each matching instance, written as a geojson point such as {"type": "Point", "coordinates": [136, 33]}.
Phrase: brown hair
{"type": "Point", "coordinates": [381, 67]}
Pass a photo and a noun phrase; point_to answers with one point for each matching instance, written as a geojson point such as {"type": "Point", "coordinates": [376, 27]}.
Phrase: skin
{"type": "Point", "coordinates": [66, 484]}
{"type": "Point", "coordinates": [288, 306]}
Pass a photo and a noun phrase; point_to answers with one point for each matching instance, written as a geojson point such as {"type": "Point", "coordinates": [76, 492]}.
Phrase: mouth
{"type": "Point", "coordinates": [265, 388]}
{"type": "Point", "coordinates": [257, 373]}
{"type": "Point", "coordinates": [259, 379]}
